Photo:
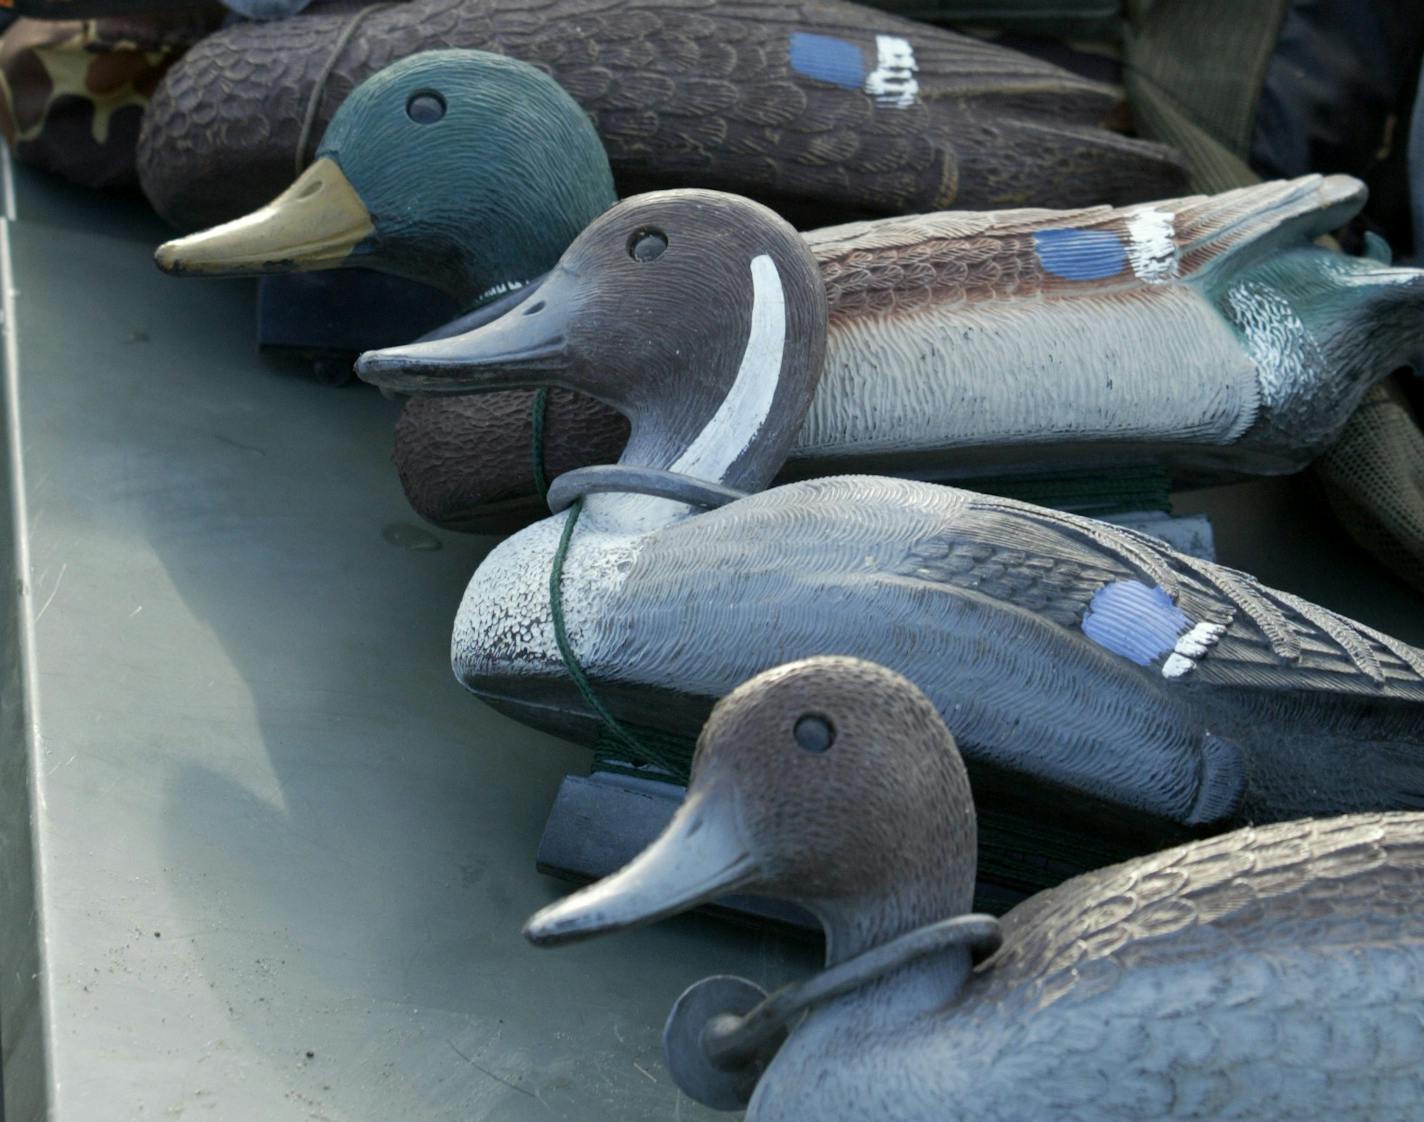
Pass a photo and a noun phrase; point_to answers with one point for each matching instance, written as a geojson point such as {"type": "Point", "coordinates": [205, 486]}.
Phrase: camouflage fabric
{"type": "Point", "coordinates": [73, 92]}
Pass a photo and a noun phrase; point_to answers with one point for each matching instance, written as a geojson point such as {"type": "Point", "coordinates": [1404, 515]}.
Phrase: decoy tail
{"type": "Point", "coordinates": [1321, 327]}
{"type": "Point", "coordinates": [1352, 318]}
{"type": "Point", "coordinates": [1387, 302]}
{"type": "Point", "coordinates": [1221, 236]}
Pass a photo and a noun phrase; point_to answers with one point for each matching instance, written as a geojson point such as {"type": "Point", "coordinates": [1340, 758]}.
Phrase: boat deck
{"type": "Point", "coordinates": [260, 856]}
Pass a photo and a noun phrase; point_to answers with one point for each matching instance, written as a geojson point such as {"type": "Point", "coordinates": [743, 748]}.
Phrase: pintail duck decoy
{"type": "Point", "coordinates": [961, 344]}
{"type": "Point", "coordinates": [819, 103]}
{"type": "Point", "coordinates": [1086, 668]}
{"type": "Point", "coordinates": [1272, 973]}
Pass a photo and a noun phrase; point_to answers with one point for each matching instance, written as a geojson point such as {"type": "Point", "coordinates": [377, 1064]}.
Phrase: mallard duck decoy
{"type": "Point", "coordinates": [1272, 973]}
{"type": "Point", "coordinates": [1093, 336]}
{"type": "Point", "coordinates": [821, 103]}
{"type": "Point", "coordinates": [1072, 656]}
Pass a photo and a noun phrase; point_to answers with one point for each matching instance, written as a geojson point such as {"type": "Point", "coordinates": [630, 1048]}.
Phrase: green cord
{"type": "Point", "coordinates": [536, 418]}
{"type": "Point", "coordinates": [638, 751]}
{"type": "Point", "coordinates": [610, 756]}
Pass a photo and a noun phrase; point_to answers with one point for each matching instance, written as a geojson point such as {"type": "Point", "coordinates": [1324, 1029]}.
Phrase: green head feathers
{"type": "Point", "coordinates": [465, 170]}
{"type": "Point", "coordinates": [478, 170]}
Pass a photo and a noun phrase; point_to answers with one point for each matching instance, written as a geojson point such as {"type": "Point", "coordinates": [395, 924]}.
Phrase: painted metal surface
{"type": "Point", "coordinates": [280, 860]}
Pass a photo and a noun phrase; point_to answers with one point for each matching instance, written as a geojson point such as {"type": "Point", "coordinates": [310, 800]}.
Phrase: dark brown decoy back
{"type": "Point", "coordinates": [825, 103]}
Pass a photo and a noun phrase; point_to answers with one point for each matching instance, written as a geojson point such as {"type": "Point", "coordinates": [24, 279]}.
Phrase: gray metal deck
{"type": "Point", "coordinates": [260, 857]}
{"type": "Point", "coordinates": [283, 859]}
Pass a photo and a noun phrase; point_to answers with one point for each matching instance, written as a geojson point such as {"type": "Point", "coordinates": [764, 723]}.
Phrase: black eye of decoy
{"type": "Point", "coordinates": [815, 733]}
{"type": "Point", "coordinates": [425, 107]}
{"type": "Point", "coordinates": [647, 245]}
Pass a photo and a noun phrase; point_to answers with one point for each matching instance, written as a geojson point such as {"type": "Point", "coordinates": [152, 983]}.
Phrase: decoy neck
{"type": "Point", "coordinates": [465, 170]}
{"type": "Point", "coordinates": [832, 782]}
{"type": "Point", "coordinates": [700, 316]}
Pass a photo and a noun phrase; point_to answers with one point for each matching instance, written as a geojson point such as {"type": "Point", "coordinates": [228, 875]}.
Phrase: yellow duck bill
{"type": "Point", "coordinates": [701, 856]}
{"type": "Point", "coordinates": [314, 224]}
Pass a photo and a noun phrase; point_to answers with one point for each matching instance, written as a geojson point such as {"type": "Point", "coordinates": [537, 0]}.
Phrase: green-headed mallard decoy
{"type": "Point", "coordinates": [1273, 973]}
{"type": "Point", "coordinates": [1088, 337]}
{"type": "Point", "coordinates": [1086, 668]}
{"type": "Point", "coordinates": [820, 104]}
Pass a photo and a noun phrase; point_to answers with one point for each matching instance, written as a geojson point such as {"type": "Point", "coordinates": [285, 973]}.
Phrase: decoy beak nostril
{"type": "Point", "coordinates": [537, 306]}
{"type": "Point", "coordinates": [311, 189]}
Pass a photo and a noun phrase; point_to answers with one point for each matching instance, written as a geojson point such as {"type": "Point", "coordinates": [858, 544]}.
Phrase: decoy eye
{"type": "Point", "coordinates": [814, 733]}
{"type": "Point", "coordinates": [647, 245]}
{"type": "Point", "coordinates": [425, 107]}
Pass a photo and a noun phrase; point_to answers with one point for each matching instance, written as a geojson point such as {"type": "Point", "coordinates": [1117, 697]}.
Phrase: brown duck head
{"type": "Point", "coordinates": [832, 782]}
{"type": "Point", "coordinates": [699, 316]}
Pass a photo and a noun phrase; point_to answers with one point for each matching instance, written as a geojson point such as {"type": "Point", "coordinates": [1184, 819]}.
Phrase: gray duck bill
{"type": "Point", "coordinates": [699, 857]}
{"type": "Point", "coordinates": [523, 348]}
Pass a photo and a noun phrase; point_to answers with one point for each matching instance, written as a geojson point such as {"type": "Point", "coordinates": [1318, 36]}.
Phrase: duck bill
{"type": "Point", "coordinates": [523, 348]}
{"type": "Point", "coordinates": [699, 857]}
{"type": "Point", "coordinates": [314, 224]}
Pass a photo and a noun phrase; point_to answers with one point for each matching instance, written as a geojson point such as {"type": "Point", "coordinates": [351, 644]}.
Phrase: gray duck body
{"type": "Point", "coordinates": [1291, 710]}
{"type": "Point", "coordinates": [1204, 333]}
{"type": "Point", "coordinates": [1274, 974]}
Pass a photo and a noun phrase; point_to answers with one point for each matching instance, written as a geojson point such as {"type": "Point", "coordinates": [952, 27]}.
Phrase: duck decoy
{"type": "Point", "coordinates": [1088, 337]}
{"type": "Point", "coordinates": [1164, 692]}
{"type": "Point", "coordinates": [820, 104]}
{"type": "Point", "coordinates": [1272, 973]}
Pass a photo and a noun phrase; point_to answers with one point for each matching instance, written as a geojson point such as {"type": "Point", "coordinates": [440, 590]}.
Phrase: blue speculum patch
{"type": "Point", "coordinates": [1080, 254]}
{"type": "Point", "coordinates": [827, 59]}
{"type": "Point", "coordinates": [1134, 621]}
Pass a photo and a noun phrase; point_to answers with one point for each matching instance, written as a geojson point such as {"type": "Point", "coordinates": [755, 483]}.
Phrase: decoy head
{"type": "Point", "coordinates": [698, 315]}
{"type": "Point", "coordinates": [832, 782]}
{"type": "Point", "coordinates": [466, 170]}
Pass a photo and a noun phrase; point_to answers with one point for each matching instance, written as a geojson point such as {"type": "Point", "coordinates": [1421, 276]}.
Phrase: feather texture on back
{"type": "Point", "coordinates": [821, 102]}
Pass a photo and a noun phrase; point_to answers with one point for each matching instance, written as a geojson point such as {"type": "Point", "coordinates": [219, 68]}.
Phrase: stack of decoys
{"type": "Point", "coordinates": [821, 106]}
{"type": "Point", "coordinates": [1091, 674]}
{"type": "Point", "coordinates": [962, 345]}
{"type": "Point", "coordinates": [1274, 973]}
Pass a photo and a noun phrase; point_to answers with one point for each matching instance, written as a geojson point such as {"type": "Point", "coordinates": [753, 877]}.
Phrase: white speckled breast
{"type": "Point", "coordinates": [505, 623]}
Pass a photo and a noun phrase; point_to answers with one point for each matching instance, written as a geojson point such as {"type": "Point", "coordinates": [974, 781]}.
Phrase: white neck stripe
{"type": "Point", "coordinates": [747, 405]}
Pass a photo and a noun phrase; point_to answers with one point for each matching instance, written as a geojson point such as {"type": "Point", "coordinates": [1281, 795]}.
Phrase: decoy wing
{"type": "Point", "coordinates": [919, 259]}
{"type": "Point", "coordinates": [1243, 885]}
{"type": "Point", "coordinates": [1189, 621]}
{"type": "Point", "coordinates": [1246, 635]}
{"type": "Point", "coordinates": [1256, 975]}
